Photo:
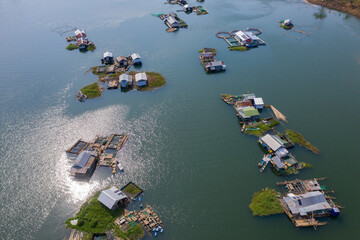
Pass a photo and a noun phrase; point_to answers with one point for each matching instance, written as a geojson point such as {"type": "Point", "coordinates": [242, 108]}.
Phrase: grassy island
{"type": "Point", "coordinates": [92, 91]}
{"type": "Point", "coordinates": [155, 81]}
{"type": "Point", "coordinates": [299, 139]}
{"type": "Point", "coordinates": [286, 27]}
{"type": "Point", "coordinates": [348, 6]}
{"type": "Point", "coordinates": [238, 48]}
{"type": "Point", "coordinates": [72, 46]}
{"type": "Point", "coordinates": [94, 217]}
{"type": "Point", "coordinates": [265, 203]}
{"type": "Point", "coordinates": [213, 50]}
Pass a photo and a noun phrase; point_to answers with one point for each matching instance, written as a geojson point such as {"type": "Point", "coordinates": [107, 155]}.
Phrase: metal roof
{"type": "Point", "coordinates": [278, 162]}
{"type": "Point", "coordinates": [250, 111]}
{"type": "Point", "coordinates": [108, 54]}
{"type": "Point", "coordinates": [110, 197]}
{"type": "Point", "coordinates": [135, 56]}
{"type": "Point", "coordinates": [140, 76]}
{"type": "Point", "coordinates": [125, 77]}
{"type": "Point", "coordinates": [281, 152]}
{"type": "Point", "coordinates": [82, 159]}
{"type": "Point", "coordinates": [271, 142]}
{"type": "Point", "coordinates": [258, 101]}
{"type": "Point", "coordinates": [306, 203]}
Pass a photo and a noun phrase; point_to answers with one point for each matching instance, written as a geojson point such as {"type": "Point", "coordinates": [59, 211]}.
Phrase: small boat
{"type": "Point", "coordinates": [155, 234]}
{"type": "Point", "coordinates": [120, 167]}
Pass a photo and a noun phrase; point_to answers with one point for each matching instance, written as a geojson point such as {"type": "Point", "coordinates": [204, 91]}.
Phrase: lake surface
{"type": "Point", "coordinates": [185, 147]}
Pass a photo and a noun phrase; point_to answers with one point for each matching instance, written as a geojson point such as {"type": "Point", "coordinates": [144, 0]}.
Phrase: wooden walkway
{"type": "Point", "coordinates": [278, 114]}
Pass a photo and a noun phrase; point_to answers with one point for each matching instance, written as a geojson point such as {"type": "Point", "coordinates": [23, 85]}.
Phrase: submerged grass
{"type": "Point", "coordinates": [91, 47]}
{"type": "Point", "coordinates": [92, 90]}
{"type": "Point", "coordinates": [155, 80]}
{"type": "Point", "coordinates": [265, 203]}
{"type": "Point", "coordinates": [299, 139]}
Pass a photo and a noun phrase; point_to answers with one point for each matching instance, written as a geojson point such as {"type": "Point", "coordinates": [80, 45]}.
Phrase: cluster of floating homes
{"type": "Point", "coordinates": [249, 109]}
{"type": "Point", "coordinates": [101, 151]}
{"type": "Point", "coordinates": [209, 61]}
{"type": "Point", "coordinates": [172, 21]}
{"type": "Point", "coordinates": [306, 200]}
{"type": "Point", "coordinates": [81, 39]}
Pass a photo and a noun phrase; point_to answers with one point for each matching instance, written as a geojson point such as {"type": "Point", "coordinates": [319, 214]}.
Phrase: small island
{"type": "Point", "coordinates": [82, 42]}
{"type": "Point", "coordinates": [113, 74]}
{"type": "Point", "coordinates": [105, 215]}
{"type": "Point", "coordinates": [299, 139]}
{"type": "Point", "coordinates": [265, 203]}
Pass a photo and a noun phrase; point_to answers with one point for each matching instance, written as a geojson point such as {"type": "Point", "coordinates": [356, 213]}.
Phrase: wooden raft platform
{"type": "Point", "coordinates": [78, 147]}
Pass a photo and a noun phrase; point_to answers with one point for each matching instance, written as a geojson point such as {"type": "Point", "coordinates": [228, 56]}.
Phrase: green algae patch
{"type": "Point", "coordinates": [92, 91]}
{"type": "Point", "coordinates": [265, 203]}
{"type": "Point", "coordinates": [299, 139]}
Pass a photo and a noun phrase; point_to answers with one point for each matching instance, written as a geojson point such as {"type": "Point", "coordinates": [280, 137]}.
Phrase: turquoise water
{"type": "Point", "coordinates": [185, 146]}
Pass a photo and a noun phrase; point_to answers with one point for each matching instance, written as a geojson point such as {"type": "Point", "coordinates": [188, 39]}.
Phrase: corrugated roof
{"type": "Point", "coordinates": [271, 142]}
{"type": "Point", "coordinates": [82, 159]}
{"type": "Point", "coordinates": [111, 196]}
{"type": "Point", "coordinates": [250, 111]}
{"type": "Point", "coordinates": [140, 76]}
{"type": "Point", "coordinates": [277, 161]}
{"type": "Point", "coordinates": [258, 101]}
{"type": "Point", "coordinates": [125, 77]}
{"type": "Point", "coordinates": [307, 203]}
{"type": "Point", "coordinates": [135, 56]}
{"type": "Point", "coordinates": [108, 54]}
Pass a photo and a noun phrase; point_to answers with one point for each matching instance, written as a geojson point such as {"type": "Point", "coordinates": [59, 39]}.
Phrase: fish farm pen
{"type": "Point", "coordinates": [242, 38]}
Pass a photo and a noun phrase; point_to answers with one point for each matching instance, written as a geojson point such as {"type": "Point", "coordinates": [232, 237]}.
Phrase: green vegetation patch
{"type": "Point", "coordinates": [299, 139]}
{"type": "Point", "coordinates": [238, 48]}
{"type": "Point", "coordinates": [132, 189]}
{"type": "Point", "coordinates": [213, 50]}
{"type": "Point", "coordinates": [260, 128]}
{"type": "Point", "coordinates": [72, 46]}
{"type": "Point", "coordinates": [134, 231]}
{"type": "Point", "coordinates": [155, 80]}
{"type": "Point", "coordinates": [91, 91]}
{"type": "Point", "coordinates": [286, 27]}
{"type": "Point", "coordinates": [91, 47]}
{"type": "Point", "coordinates": [94, 217]}
{"type": "Point", "coordinates": [265, 203]}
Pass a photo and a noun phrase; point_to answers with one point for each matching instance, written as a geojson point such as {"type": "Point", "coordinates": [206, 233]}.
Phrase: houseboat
{"type": "Point", "coordinates": [108, 58]}
{"type": "Point", "coordinates": [81, 39]}
{"type": "Point", "coordinates": [215, 66]}
{"type": "Point", "coordinates": [135, 57]}
{"type": "Point", "coordinates": [126, 80]}
{"type": "Point", "coordinates": [248, 39]}
{"type": "Point", "coordinates": [84, 165]}
{"type": "Point", "coordinates": [141, 79]}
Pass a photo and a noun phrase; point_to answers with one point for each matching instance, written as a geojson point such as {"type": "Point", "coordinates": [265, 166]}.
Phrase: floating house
{"type": "Point", "coordinates": [271, 143]}
{"type": "Point", "coordinates": [277, 163]}
{"type": "Point", "coordinates": [207, 56]}
{"type": "Point", "coordinates": [84, 164]}
{"type": "Point", "coordinates": [122, 61]}
{"type": "Point", "coordinates": [187, 8]}
{"type": "Point", "coordinates": [171, 22]}
{"type": "Point", "coordinates": [81, 39]}
{"type": "Point", "coordinates": [125, 80]}
{"type": "Point", "coordinates": [241, 104]}
{"type": "Point", "coordinates": [310, 204]}
{"type": "Point", "coordinates": [288, 23]}
{"type": "Point", "coordinates": [247, 38]}
{"type": "Point", "coordinates": [215, 66]}
{"type": "Point", "coordinates": [258, 103]}
{"type": "Point", "coordinates": [141, 79]}
{"type": "Point", "coordinates": [113, 198]}
{"type": "Point", "coordinates": [108, 58]}
{"type": "Point", "coordinates": [135, 57]}
{"type": "Point", "coordinates": [248, 113]}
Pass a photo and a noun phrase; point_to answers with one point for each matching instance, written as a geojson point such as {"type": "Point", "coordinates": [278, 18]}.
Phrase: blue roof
{"type": "Point", "coordinates": [83, 158]}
